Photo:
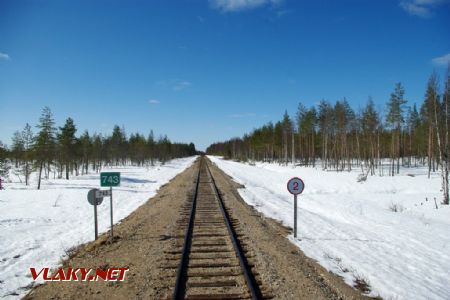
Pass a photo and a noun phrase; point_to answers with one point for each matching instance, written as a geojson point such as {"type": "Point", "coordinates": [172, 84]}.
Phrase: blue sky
{"type": "Point", "coordinates": [204, 71]}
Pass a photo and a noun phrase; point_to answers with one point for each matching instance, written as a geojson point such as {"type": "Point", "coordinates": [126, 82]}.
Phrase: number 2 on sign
{"type": "Point", "coordinates": [295, 186]}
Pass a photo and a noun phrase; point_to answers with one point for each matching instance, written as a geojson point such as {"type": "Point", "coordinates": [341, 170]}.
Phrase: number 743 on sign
{"type": "Point", "coordinates": [110, 179]}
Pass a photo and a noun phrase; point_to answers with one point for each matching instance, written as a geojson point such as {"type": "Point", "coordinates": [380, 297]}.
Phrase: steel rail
{"type": "Point", "coordinates": [181, 278]}
{"type": "Point", "coordinates": [253, 287]}
{"type": "Point", "coordinates": [180, 285]}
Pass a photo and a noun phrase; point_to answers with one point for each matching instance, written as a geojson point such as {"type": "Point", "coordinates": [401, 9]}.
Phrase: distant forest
{"type": "Point", "coordinates": [336, 137]}
{"type": "Point", "coordinates": [59, 152]}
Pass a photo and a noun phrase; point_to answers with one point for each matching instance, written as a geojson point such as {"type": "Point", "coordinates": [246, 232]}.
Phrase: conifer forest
{"type": "Point", "coordinates": [335, 136]}
{"type": "Point", "coordinates": [59, 152]}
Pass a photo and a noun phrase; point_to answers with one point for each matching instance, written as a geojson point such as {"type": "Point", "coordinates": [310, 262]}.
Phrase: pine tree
{"type": "Point", "coordinates": [413, 124]}
{"type": "Point", "coordinates": [325, 119]}
{"type": "Point", "coordinates": [306, 125]}
{"type": "Point", "coordinates": [86, 151]}
{"type": "Point", "coordinates": [117, 146]}
{"type": "Point", "coordinates": [287, 128]}
{"type": "Point", "coordinates": [4, 165]}
{"type": "Point", "coordinates": [44, 146]}
{"type": "Point", "coordinates": [151, 147]}
{"type": "Point", "coordinates": [395, 120]}
{"type": "Point", "coordinates": [28, 141]}
{"type": "Point", "coordinates": [446, 146]}
{"type": "Point", "coordinates": [98, 153]}
{"type": "Point", "coordinates": [370, 124]}
{"type": "Point", "coordinates": [439, 115]}
{"type": "Point", "coordinates": [17, 148]}
{"type": "Point", "coordinates": [67, 143]}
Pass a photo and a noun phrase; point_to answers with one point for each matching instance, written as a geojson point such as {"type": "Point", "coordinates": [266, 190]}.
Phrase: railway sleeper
{"type": "Point", "coordinates": [214, 265]}
{"type": "Point", "coordinates": [236, 296]}
{"type": "Point", "coordinates": [218, 283]}
{"type": "Point", "coordinates": [220, 273]}
{"type": "Point", "coordinates": [239, 289]}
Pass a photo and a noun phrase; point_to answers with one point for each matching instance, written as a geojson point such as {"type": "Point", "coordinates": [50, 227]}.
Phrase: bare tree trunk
{"type": "Point", "coordinates": [313, 148]}
{"type": "Point", "coordinates": [27, 172]}
{"type": "Point", "coordinates": [327, 155]}
{"type": "Point", "coordinates": [380, 165]}
{"type": "Point", "coordinates": [293, 148]}
{"type": "Point", "coordinates": [447, 152]}
{"type": "Point", "coordinates": [410, 148]}
{"type": "Point", "coordinates": [285, 146]}
{"type": "Point", "coordinates": [429, 150]}
{"type": "Point", "coordinates": [398, 149]}
{"type": "Point", "coordinates": [442, 162]}
{"type": "Point", "coordinates": [391, 171]}
{"type": "Point", "coordinates": [40, 174]}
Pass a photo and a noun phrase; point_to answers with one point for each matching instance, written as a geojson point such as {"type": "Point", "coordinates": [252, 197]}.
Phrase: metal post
{"type": "Point", "coordinates": [295, 216]}
{"type": "Point", "coordinates": [111, 200]}
{"type": "Point", "coordinates": [95, 219]}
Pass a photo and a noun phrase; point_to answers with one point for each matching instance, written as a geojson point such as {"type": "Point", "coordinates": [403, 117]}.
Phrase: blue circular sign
{"type": "Point", "coordinates": [295, 186]}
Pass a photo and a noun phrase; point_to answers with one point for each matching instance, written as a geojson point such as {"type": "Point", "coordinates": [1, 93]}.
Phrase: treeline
{"type": "Point", "coordinates": [59, 152]}
{"type": "Point", "coordinates": [337, 137]}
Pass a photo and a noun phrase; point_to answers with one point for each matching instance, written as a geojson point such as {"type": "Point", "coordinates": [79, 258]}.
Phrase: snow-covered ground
{"type": "Point", "coordinates": [38, 226]}
{"type": "Point", "coordinates": [350, 228]}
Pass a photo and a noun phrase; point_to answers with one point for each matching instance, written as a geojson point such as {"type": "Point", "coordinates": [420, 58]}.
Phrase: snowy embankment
{"type": "Point", "coordinates": [352, 228]}
{"type": "Point", "coordinates": [37, 227]}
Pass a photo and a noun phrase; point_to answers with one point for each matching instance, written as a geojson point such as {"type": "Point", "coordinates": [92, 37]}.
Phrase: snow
{"type": "Point", "coordinates": [38, 226]}
{"type": "Point", "coordinates": [349, 228]}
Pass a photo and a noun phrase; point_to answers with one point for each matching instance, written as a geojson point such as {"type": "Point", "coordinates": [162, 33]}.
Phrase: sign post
{"type": "Point", "coordinates": [295, 186]}
{"type": "Point", "coordinates": [110, 179]}
{"type": "Point", "coordinates": [95, 198]}
{"type": "Point", "coordinates": [96, 220]}
{"type": "Point", "coordinates": [111, 203]}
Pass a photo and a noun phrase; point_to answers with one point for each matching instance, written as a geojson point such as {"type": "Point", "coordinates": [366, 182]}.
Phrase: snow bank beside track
{"type": "Point", "coordinates": [37, 227]}
{"type": "Point", "coordinates": [351, 228]}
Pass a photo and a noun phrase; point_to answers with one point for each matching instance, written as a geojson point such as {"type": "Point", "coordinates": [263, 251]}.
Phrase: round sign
{"type": "Point", "coordinates": [295, 186]}
{"type": "Point", "coordinates": [92, 199]}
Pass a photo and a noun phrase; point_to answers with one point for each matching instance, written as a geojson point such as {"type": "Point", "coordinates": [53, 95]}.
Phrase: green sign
{"type": "Point", "coordinates": [109, 179]}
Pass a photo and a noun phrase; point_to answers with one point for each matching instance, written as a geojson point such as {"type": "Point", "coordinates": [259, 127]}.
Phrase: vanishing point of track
{"type": "Point", "coordinates": [212, 264]}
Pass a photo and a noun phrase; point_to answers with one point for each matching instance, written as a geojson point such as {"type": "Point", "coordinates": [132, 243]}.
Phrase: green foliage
{"type": "Point", "coordinates": [370, 119]}
{"type": "Point", "coordinates": [4, 165]}
{"type": "Point", "coordinates": [56, 151]}
{"type": "Point", "coordinates": [342, 139]}
{"type": "Point", "coordinates": [45, 142]}
{"type": "Point", "coordinates": [396, 106]}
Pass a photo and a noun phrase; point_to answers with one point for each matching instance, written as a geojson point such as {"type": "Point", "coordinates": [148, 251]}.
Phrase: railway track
{"type": "Point", "coordinates": [213, 260]}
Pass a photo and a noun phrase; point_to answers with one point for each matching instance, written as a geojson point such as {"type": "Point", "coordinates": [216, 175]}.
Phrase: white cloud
{"type": "Point", "coordinates": [153, 101]}
{"type": "Point", "coordinates": [420, 8]}
{"type": "Point", "coordinates": [238, 5]}
{"type": "Point", "coordinates": [174, 84]}
{"type": "Point", "coordinates": [181, 85]}
{"type": "Point", "coordinates": [244, 115]}
{"type": "Point", "coordinates": [4, 56]}
{"type": "Point", "coordinates": [442, 60]}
